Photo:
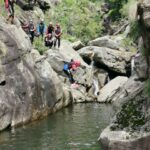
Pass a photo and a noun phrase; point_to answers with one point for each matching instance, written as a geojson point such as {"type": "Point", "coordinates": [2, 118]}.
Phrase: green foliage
{"type": "Point", "coordinates": [39, 45]}
{"type": "Point", "coordinates": [135, 30]}
{"type": "Point", "coordinates": [130, 116]}
{"type": "Point", "coordinates": [135, 33]}
{"type": "Point", "coordinates": [79, 19]}
{"type": "Point", "coordinates": [2, 8]}
{"type": "Point", "coordinates": [116, 6]}
{"type": "Point", "coordinates": [147, 87]}
{"type": "Point", "coordinates": [125, 10]}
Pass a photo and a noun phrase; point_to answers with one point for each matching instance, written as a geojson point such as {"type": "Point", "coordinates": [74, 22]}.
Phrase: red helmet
{"type": "Point", "coordinates": [77, 63]}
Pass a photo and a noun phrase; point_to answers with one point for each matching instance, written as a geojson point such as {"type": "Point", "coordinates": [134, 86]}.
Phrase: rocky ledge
{"type": "Point", "coordinates": [130, 128]}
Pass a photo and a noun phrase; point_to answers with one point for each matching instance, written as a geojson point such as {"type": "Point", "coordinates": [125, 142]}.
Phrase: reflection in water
{"type": "Point", "coordinates": [73, 128]}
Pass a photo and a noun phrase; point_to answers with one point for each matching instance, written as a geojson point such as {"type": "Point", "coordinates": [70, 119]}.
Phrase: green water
{"type": "Point", "coordinates": [74, 128]}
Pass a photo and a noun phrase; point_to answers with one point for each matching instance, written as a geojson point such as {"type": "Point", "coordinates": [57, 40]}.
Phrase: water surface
{"type": "Point", "coordinates": [74, 128]}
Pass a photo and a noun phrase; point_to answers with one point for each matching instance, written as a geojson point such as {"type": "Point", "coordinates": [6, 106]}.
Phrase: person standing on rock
{"type": "Point", "coordinates": [58, 34]}
{"type": "Point", "coordinates": [31, 30]}
{"type": "Point", "coordinates": [50, 29]}
{"type": "Point", "coordinates": [41, 28]}
{"type": "Point", "coordinates": [9, 5]}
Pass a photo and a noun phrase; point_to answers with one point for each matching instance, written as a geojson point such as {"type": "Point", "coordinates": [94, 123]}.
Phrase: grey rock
{"type": "Point", "coordinates": [115, 60]}
{"type": "Point", "coordinates": [83, 75]}
{"type": "Point", "coordinates": [30, 89]}
{"type": "Point", "coordinates": [77, 45]}
{"type": "Point", "coordinates": [122, 140]}
{"type": "Point", "coordinates": [141, 67]}
{"type": "Point", "coordinates": [130, 88]}
{"type": "Point", "coordinates": [111, 88]}
{"type": "Point", "coordinates": [105, 41]}
{"type": "Point", "coordinates": [56, 60]}
{"type": "Point", "coordinates": [69, 53]}
{"type": "Point", "coordinates": [101, 75]}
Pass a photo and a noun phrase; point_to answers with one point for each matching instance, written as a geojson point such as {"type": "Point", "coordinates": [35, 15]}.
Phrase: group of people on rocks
{"type": "Point", "coordinates": [51, 34]}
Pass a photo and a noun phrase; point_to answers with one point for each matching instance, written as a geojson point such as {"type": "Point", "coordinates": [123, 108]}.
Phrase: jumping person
{"type": "Point", "coordinates": [9, 5]}
{"type": "Point", "coordinates": [58, 34]}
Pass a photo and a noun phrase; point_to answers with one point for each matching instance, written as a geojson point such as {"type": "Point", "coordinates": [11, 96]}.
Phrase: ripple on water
{"type": "Point", "coordinates": [73, 128]}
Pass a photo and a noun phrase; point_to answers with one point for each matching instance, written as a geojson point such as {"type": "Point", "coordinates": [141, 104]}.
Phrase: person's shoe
{"type": "Point", "coordinates": [74, 86]}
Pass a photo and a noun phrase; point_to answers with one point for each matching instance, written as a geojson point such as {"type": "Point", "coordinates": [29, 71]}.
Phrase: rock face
{"type": "Point", "coordinates": [141, 67]}
{"type": "Point", "coordinates": [111, 89]}
{"type": "Point", "coordinates": [132, 118]}
{"type": "Point", "coordinates": [77, 45]}
{"type": "Point", "coordinates": [121, 140]}
{"type": "Point", "coordinates": [29, 87]}
{"type": "Point", "coordinates": [83, 75]}
{"type": "Point", "coordinates": [130, 127]}
{"type": "Point", "coordinates": [144, 21]}
{"type": "Point", "coordinates": [115, 60]}
{"type": "Point", "coordinates": [67, 51]}
{"type": "Point", "coordinates": [56, 60]}
{"type": "Point", "coordinates": [105, 42]}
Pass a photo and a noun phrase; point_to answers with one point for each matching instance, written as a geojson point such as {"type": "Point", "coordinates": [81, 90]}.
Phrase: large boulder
{"type": "Point", "coordinates": [83, 74]}
{"type": "Point", "coordinates": [69, 53]}
{"type": "Point", "coordinates": [109, 89]}
{"type": "Point", "coordinates": [131, 87]}
{"type": "Point", "coordinates": [29, 87]}
{"type": "Point", "coordinates": [77, 45]}
{"type": "Point", "coordinates": [141, 68]}
{"type": "Point", "coordinates": [130, 127]}
{"type": "Point", "coordinates": [90, 79]}
{"type": "Point", "coordinates": [144, 20]}
{"type": "Point", "coordinates": [122, 140]}
{"type": "Point", "coordinates": [115, 60]}
{"type": "Point", "coordinates": [145, 5]}
{"type": "Point", "coordinates": [56, 60]}
{"type": "Point", "coordinates": [105, 41]}
{"type": "Point", "coordinates": [101, 76]}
